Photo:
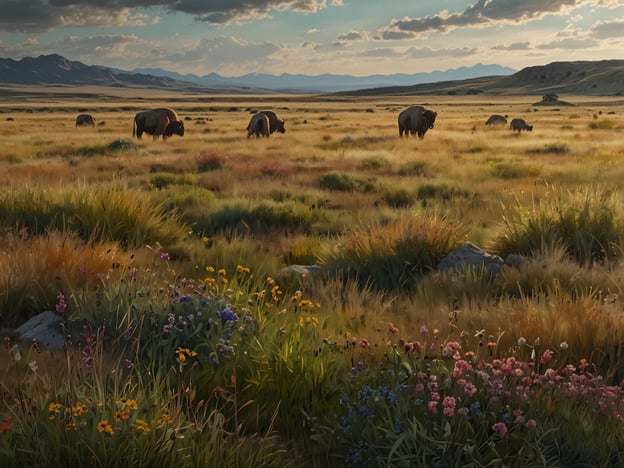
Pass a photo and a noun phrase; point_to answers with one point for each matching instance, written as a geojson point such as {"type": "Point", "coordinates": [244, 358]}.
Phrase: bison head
{"type": "Point", "coordinates": [280, 126]}
{"type": "Point", "coordinates": [176, 127]}
{"type": "Point", "coordinates": [429, 117]}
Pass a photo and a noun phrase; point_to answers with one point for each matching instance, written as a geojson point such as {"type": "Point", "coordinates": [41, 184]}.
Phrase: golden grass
{"type": "Point", "coordinates": [568, 148]}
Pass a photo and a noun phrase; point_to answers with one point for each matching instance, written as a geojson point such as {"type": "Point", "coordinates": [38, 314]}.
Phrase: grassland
{"type": "Point", "coordinates": [339, 189]}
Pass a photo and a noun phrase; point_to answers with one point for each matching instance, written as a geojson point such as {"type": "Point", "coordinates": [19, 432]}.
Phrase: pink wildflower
{"type": "Point", "coordinates": [500, 428]}
{"type": "Point", "coordinates": [433, 407]}
{"type": "Point", "coordinates": [449, 406]}
{"type": "Point", "coordinates": [531, 424]}
{"type": "Point", "coordinates": [546, 357]}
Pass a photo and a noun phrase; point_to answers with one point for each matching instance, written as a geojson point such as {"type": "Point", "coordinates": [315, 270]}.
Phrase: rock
{"type": "Point", "coordinates": [514, 260]}
{"type": "Point", "coordinates": [301, 269]}
{"type": "Point", "coordinates": [45, 328]}
{"type": "Point", "coordinates": [471, 256]}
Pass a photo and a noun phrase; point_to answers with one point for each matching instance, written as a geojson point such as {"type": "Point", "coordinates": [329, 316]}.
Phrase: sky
{"type": "Point", "coordinates": [312, 37]}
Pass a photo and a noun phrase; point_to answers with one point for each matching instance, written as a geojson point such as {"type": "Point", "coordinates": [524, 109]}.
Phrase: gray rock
{"type": "Point", "coordinates": [471, 256]}
{"type": "Point", "coordinates": [45, 328]}
{"type": "Point", "coordinates": [301, 269]}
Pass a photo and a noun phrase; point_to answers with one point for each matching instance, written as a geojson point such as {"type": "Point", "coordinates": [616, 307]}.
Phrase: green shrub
{"type": "Point", "coordinates": [343, 182]}
{"type": "Point", "coordinates": [132, 219]}
{"type": "Point", "coordinates": [391, 256]}
{"type": "Point", "coordinates": [587, 221]}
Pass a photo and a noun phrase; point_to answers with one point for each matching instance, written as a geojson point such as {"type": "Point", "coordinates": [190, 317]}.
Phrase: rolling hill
{"type": "Point", "coordinates": [600, 78]}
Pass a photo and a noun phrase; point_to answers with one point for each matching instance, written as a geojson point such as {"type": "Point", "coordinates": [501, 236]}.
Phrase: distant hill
{"type": "Point", "coordinates": [57, 70]}
{"type": "Point", "coordinates": [604, 77]}
{"type": "Point", "coordinates": [599, 78]}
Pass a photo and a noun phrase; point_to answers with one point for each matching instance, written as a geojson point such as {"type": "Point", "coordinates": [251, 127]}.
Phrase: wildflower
{"type": "Point", "coordinates": [531, 424]}
{"type": "Point", "coordinates": [242, 269]}
{"type": "Point", "coordinates": [424, 330]}
{"type": "Point", "coordinates": [479, 333]}
{"type": "Point", "coordinates": [563, 345]}
{"type": "Point", "coordinates": [449, 406]}
{"type": "Point", "coordinates": [164, 256]}
{"type": "Point", "coordinates": [71, 426]}
{"type": "Point", "coordinates": [61, 305]}
{"type": "Point", "coordinates": [129, 364]}
{"type": "Point", "coordinates": [5, 424]}
{"type": "Point", "coordinates": [433, 406]}
{"type": "Point", "coordinates": [54, 407]}
{"type": "Point", "coordinates": [142, 426]}
{"type": "Point", "coordinates": [500, 428]}
{"type": "Point", "coordinates": [521, 341]}
{"type": "Point", "coordinates": [164, 419]}
{"type": "Point", "coordinates": [104, 426]}
{"type": "Point", "coordinates": [394, 330]}
{"type": "Point", "coordinates": [364, 343]}
{"type": "Point", "coordinates": [210, 269]}
{"type": "Point", "coordinates": [546, 357]}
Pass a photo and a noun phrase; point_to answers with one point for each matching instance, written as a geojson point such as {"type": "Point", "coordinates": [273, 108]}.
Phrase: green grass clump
{"type": "Point", "coordinates": [98, 214]}
{"type": "Point", "coordinates": [587, 221]}
{"type": "Point", "coordinates": [392, 256]}
{"type": "Point", "coordinates": [344, 182]}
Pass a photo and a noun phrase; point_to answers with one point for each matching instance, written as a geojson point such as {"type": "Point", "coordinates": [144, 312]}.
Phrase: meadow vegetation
{"type": "Point", "coordinates": [186, 344]}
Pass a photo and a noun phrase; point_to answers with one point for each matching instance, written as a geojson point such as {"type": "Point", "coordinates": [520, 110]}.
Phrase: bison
{"type": "Point", "coordinates": [519, 125]}
{"type": "Point", "coordinates": [416, 120]}
{"type": "Point", "coordinates": [157, 122]}
{"type": "Point", "coordinates": [85, 120]}
{"type": "Point", "coordinates": [259, 125]}
{"type": "Point", "coordinates": [276, 124]}
{"type": "Point", "coordinates": [496, 120]}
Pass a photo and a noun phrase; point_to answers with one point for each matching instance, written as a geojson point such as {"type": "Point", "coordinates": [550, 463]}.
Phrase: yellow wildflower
{"type": "Point", "coordinates": [104, 426]}
{"type": "Point", "coordinates": [54, 407]}
{"type": "Point", "coordinates": [222, 272]}
{"type": "Point", "coordinates": [71, 426]}
{"type": "Point", "coordinates": [142, 425]}
{"type": "Point", "coordinates": [210, 269]}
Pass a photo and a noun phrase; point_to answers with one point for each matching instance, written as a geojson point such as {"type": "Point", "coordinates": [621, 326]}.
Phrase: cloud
{"type": "Point", "coordinates": [570, 43]}
{"type": "Point", "coordinates": [483, 13]}
{"type": "Point", "coordinates": [44, 15]}
{"type": "Point", "coordinates": [513, 46]}
{"type": "Point", "coordinates": [353, 36]}
{"type": "Point", "coordinates": [608, 30]}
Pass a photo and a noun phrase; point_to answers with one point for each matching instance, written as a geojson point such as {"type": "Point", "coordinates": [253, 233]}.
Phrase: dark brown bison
{"type": "Point", "coordinates": [85, 120]}
{"type": "Point", "coordinates": [276, 124]}
{"type": "Point", "coordinates": [162, 121]}
{"type": "Point", "coordinates": [496, 120]}
{"type": "Point", "coordinates": [416, 120]}
{"type": "Point", "coordinates": [259, 125]}
{"type": "Point", "coordinates": [517, 125]}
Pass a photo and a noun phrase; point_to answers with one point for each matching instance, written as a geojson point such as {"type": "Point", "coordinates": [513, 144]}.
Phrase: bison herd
{"type": "Point", "coordinates": [163, 121]}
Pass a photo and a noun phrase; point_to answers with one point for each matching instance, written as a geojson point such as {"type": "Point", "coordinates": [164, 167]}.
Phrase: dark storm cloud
{"type": "Point", "coordinates": [44, 15]}
{"type": "Point", "coordinates": [479, 14]}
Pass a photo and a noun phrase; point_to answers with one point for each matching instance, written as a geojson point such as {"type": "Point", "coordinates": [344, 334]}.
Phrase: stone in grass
{"type": "Point", "coordinates": [470, 256]}
{"type": "Point", "coordinates": [45, 328]}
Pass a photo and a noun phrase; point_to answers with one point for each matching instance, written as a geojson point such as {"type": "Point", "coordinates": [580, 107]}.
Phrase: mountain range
{"type": "Point", "coordinates": [602, 77]}
{"type": "Point", "coordinates": [57, 70]}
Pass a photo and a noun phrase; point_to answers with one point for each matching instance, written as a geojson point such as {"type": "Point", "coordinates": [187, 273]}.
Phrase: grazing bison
{"type": "Point", "coordinates": [497, 120]}
{"type": "Point", "coordinates": [519, 125]}
{"type": "Point", "coordinates": [157, 122]}
{"type": "Point", "coordinates": [85, 120]}
{"type": "Point", "coordinates": [276, 124]}
{"type": "Point", "coordinates": [259, 125]}
{"type": "Point", "coordinates": [416, 120]}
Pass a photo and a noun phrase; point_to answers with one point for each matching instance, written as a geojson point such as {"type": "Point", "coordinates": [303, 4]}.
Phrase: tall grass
{"type": "Point", "coordinates": [393, 255]}
{"type": "Point", "coordinates": [587, 221]}
{"type": "Point", "coordinates": [130, 218]}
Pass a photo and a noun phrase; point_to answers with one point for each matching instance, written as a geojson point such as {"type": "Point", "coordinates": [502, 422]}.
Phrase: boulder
{"type": "Point", "coordinates": [46, 328]}
{"type": "Point", "coordinates": [471, 256]}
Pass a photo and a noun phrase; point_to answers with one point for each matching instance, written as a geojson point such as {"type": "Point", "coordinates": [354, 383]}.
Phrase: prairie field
{"type": "Point", "coordinates": [365, 362]}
